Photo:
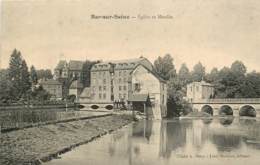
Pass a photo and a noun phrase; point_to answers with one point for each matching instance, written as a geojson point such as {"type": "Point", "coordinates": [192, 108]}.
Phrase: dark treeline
{"type": "Point", "coordinates": [230, 82]}
{"type": "Point", "coordinates": [19, 84]}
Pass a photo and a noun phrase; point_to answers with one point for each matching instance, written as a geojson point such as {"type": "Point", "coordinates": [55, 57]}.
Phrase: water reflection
{"type": "Point", "coordinates": [160, 142]}
{"type": "Point", "coordinates": [226, 121]}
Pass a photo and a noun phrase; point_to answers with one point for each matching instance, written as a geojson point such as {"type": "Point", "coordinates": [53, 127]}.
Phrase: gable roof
{"type": "Point", "coordinates": [121, 64]}
{"type": "Point", "coordinates": [75, 65]}
{"type": "Point", "coordinates": [150, 71]}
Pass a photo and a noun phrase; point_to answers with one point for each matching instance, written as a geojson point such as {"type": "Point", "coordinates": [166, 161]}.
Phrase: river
{"type": "Point", "coordinates": [181, 141]}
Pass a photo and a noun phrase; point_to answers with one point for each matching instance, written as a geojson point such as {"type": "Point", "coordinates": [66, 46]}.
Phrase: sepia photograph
{"type": "Point", "coordinates": [129, 82]}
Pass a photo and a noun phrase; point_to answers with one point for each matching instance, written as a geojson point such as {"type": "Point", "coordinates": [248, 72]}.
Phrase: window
{"type": "Point", "coordinates": [137, 87]}
{"type": "Point", "coordinates": [125, 79]}
{"type": "Point", "coordinates": [119, 73]}
{"type": "Point", "coordinates": [124, 96]}
{"type": "Point", "coordinates": [120, 95]}
{"type": "Point", "coordinates": [100, 96]}
{"type": "Point", "coordinates": [162, 99]}
{"type": "Point", "coordinates": [104, 88]}
{"type": "Point", "coordinates": [125, 88]}
{"type": "Point", "coordinates": [120, 88]}
{"type": "Point", "coordinates": [104, 96]}
{"type": "Point", "coordinates": [100, 88]}
{"type": "Point", "coordinates": [104, 81]}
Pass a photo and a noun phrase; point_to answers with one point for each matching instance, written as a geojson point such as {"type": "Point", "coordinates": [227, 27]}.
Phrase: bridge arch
{"type": "Point", "coordinates": [225, 110]}
{"type": "Point", "coordinates": [208, 109]}
{"type": "Point", "coordinates": [247, 110]}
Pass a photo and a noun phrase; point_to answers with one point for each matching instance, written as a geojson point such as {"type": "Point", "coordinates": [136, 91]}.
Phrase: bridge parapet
{"type": "Point", "coordinates": [227, 101]}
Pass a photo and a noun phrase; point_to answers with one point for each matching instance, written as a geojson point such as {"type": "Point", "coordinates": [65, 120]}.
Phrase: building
{"type": "Point", "coordinates": [109, 80]}
{"type": "Point", "coordinates": [117, 81]}
{"type": "Point", "coordinates": [53, 87]}
{"type": "Point", "coordinates": [85, 95]}
{"type": "Point", "coordinates": [199, 90]}
{"type": "Point", "coordinates": [72, 69]}
{"type": "Point", "coordinates": [146, 82]}
{"type": "Point", "coordinates": [75, 89]}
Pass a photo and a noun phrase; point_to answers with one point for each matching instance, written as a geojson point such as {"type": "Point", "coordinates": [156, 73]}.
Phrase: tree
{"type": "Point", "coordinates": [33, 75]}
{"type": "Point", "coordinates": [212, 76]}
{"type": "Point", "coordinates": [164, 67]}
{"type": "Point", "coordinates": [5, 87]}
{"type": "Point", "coordinates": [238, 68]}
{"type": "Point", "coordinates": [184, 75]}
{"type": "Point", "coordinates": [198, 72]}
{"type": "Point", "coordinates": [14, 74]}
{"type": "Point", "coordinates": [25, 78]}
{"type": "Point", "coordinates": [44, 74]}
{"type": "Point", "coordinates": [39, 94]}
{"type": "Point", "coordinates": [176, 105]}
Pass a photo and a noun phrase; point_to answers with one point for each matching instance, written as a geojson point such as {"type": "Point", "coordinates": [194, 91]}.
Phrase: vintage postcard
{"type": "Point", "coordinates": [136, 82]}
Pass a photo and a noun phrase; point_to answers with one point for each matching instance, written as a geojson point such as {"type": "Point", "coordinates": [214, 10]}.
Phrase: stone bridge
{"type": "Point", "coordinates": [236, 107]}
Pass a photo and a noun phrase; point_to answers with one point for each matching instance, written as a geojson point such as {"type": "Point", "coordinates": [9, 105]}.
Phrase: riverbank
{"type": "Point", "coordinates": [39, 144]}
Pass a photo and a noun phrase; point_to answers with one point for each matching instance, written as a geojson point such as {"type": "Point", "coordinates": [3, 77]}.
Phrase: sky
{"type": "Point", "coordinates": [216, 33]}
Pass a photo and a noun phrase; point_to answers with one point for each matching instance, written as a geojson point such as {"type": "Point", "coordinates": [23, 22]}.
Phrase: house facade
{"type": "Point", "coordinates": [146, 82]}
{"type": "Point", "coordinates": [53, 87]}
{"type": "Point", "coordinates": [118, 81]}
{"type": "Point", "coordinates": [110, 80]}
{"type": "Point", "coordinates": [75, 89]}
{"type": "Point", "coordinates": [199, 90]}
{"type": "Point", "coordinates": [71, 69]}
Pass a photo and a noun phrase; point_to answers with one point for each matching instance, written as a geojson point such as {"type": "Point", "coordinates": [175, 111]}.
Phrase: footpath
{"type": "Point", "coordinates": [42, 143]}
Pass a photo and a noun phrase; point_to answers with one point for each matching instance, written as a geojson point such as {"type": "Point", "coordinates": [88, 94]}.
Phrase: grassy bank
{"type": "Point", "coordinates": [37, 144]}
{"type": "Point", "coordinates": [17, 119]}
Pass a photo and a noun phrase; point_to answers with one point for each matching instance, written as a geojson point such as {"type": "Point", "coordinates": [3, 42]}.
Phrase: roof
{"type": "Point", "coordinates": [150, 71]}
{"type": "Point", "coordinates": [76, 85]}
{"type": "Point", "coordinates": [49, 82]}
{"type": "Point", "coordinates": [86, 92]}
{"type": "Point", "coordinates": [61, 64]}
{"type": "Point", "coordinates": [119, 64]}
{"type": "Point", "coordinates": [75, 65]}
{"type": "Point", "coordinates": [139, 98]}
{"type": "Point", "coordinates": [202, 83]}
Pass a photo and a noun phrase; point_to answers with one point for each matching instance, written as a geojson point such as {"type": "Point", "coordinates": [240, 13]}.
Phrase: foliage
{"type": "Point", "coordinates": [18, 75]}
{"type": "Point", "coordinates": [198, 72]}
{"type": "Point", "coordinates": [5, 87]}
{"type": "Point", "coordinates": [40, 94]}
{"type": "Point", "coordinates": [184, 75]}
{"type": "Point", "coordinates": [16, 82]}
{"type": "Point", "coordinates": [175, 84]}
{"type": "Point", "coordinates": [164, 67]}
{"type": "Point", "coordinates": [176, 105]}
{"type": "Point", "coordinates": [33, 75]}
{"type": "Point", "coordinates": [44, 74]}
